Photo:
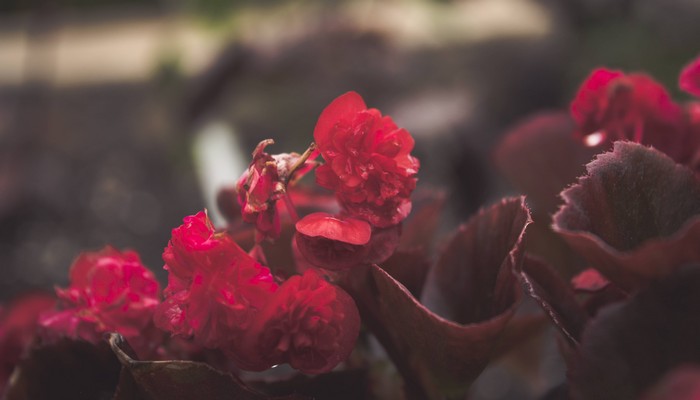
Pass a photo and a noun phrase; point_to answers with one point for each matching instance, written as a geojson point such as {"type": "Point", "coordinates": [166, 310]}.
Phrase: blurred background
{"type": "Point", "coordinates": [120, 117]}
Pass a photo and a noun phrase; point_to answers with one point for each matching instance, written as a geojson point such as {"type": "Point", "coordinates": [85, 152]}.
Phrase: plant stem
{"type": "Point", "coordinates": [301, 161]}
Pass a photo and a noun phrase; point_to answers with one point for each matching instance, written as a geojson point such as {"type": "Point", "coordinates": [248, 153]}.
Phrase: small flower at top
{"type": "Point", "coordinates": [690, 78]}
{"type": "Point", "coordinates": [611, 106]}
{"type": "Point", "coordinates": [367, 161]}
{"type": "Point", "coordinates": [264, 183]}
{"type": "Point", "coordinates": [110, 291]}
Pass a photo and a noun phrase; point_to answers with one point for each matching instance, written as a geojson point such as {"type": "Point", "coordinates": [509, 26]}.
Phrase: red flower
{"type": "Point", "coordinates": [336, 242]}
{"type": "Point", "coordinates": [332, 242]}
{"type": "Point", "coordinates": [216, 292]}
{"type": "Point", "coordinates": [18, 325]}
{"type": "Point", "coordinates": [690, 78]}
{"type": "Point", "coordinates": [263, 184]}
{"type": "Point", "coordinates": [310, 324]}
{"type": "Point", "coordinates": [110, 291]}
{"type": "Point", "coordinates": [190, 246]}
{"type": "Point", "coordinates": [368, 161]}
{"type": "Point", "coordinates": [612, 106]}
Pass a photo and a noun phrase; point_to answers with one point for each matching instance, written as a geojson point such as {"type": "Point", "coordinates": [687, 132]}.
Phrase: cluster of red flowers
{"type": "Point", "coordinates": [223, 297]}
{"type": "Point", "coordinates": [109, 291]}
{"type": "Point", "coordinates": [612, 105]}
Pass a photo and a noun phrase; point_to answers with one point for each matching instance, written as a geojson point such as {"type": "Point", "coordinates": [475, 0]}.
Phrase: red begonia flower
{"type": "Point", "coordinates": [110, 291]}
{"type": "Point", "coordinates": [264, 183]}
{"type": "Point", "coordinates": [18, 325]}
{"type": "Point", "coordinates": [310, 324]}
{"type": "Point", "coordinates": [611, 105]}
{"type": "Point", "coordinates": [368, 161]}
{"type": "Point", "coordinates": [689, 80]}
{"type": "Point", "coordinates": [339, 242]}
{"type": "Point", "coordinates": [332, 242]}
{"type": "Point", "coordinates": [347, 230]}
{"type": "Point", "coordinates": [190, 246]}
{"type": "Point", "coordinates": [216, 292]}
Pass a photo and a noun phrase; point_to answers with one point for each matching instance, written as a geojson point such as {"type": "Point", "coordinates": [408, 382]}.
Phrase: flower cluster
{"type": "Point", "coordinates": [110, 291]}
{"type": "Point", "coordinates": [214, 287]}
{"type": "Point", "coordinates": [611, 105]}
{"type": "Point", "coordinates": [368, 161]}
{"type": "Point", "coordinates": [369, 167]}
{"type": "Point", "coordinates": [225, 299]}
{"type": "Point", "coordinates": [222, 297]}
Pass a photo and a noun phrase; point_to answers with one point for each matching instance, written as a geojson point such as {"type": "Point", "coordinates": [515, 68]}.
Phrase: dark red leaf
{"type": "Point", "coordinates": [440, 355]}
{"type": "Point", "coordinates": [178, 380]}
{"type": "Point", "coordinates": [383, 244]}
{"type": "Point", "coordinates": [634, 216]}
{"type": "Point", "coordinates": [630, 346]}
{"type": "Point", "coordinates": [66, 369]}
{"type": "Point", "coordinates": [410, 268]}
{"type": "Point", "coordinates": [541, 157]}
{"type": "Point", "coordinates": [420, 227]}
{"type": "Point", "coordinates": [474, 277]}
{"type": "Point", "coordinates": [555, 297]}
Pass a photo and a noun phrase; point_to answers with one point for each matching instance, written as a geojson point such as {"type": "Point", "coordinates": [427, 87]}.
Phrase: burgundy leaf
{"type": "Point", "coordinates": [410, 263]}
{"type": "Point", "coordinates": [474, 277]}
{"type": "Point", "coordinates": [410, 268]}
{"type": "Point", "coordinates": [440, 355]}
{"type": "Point", "coordinates": [541, 157]}
{"type": "Point", "coordinates": [421, 225]}
{"type": "Point", "coordinates": [555, 297]}
{"type": "Point", "coordinates": [383, 243]}
{"type": "Point", "coordinates": [630, 346]}
{"type": "Point", "coordinates": [634, 216]}
{"type": "Point", "coordinates": [67, 369]}
{"type": "Point", "coordinates": [173, 380]}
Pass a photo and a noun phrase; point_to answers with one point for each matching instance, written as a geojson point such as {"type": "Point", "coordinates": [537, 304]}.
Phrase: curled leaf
{"type": "Point", "coordinates": [440, 354]}
{"type": "Point", "coordinates": [630, 346]}
{"type": "Point", "coordinates": [634, 216]}
{"type": "Point", "coordinates": [555, 297]}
